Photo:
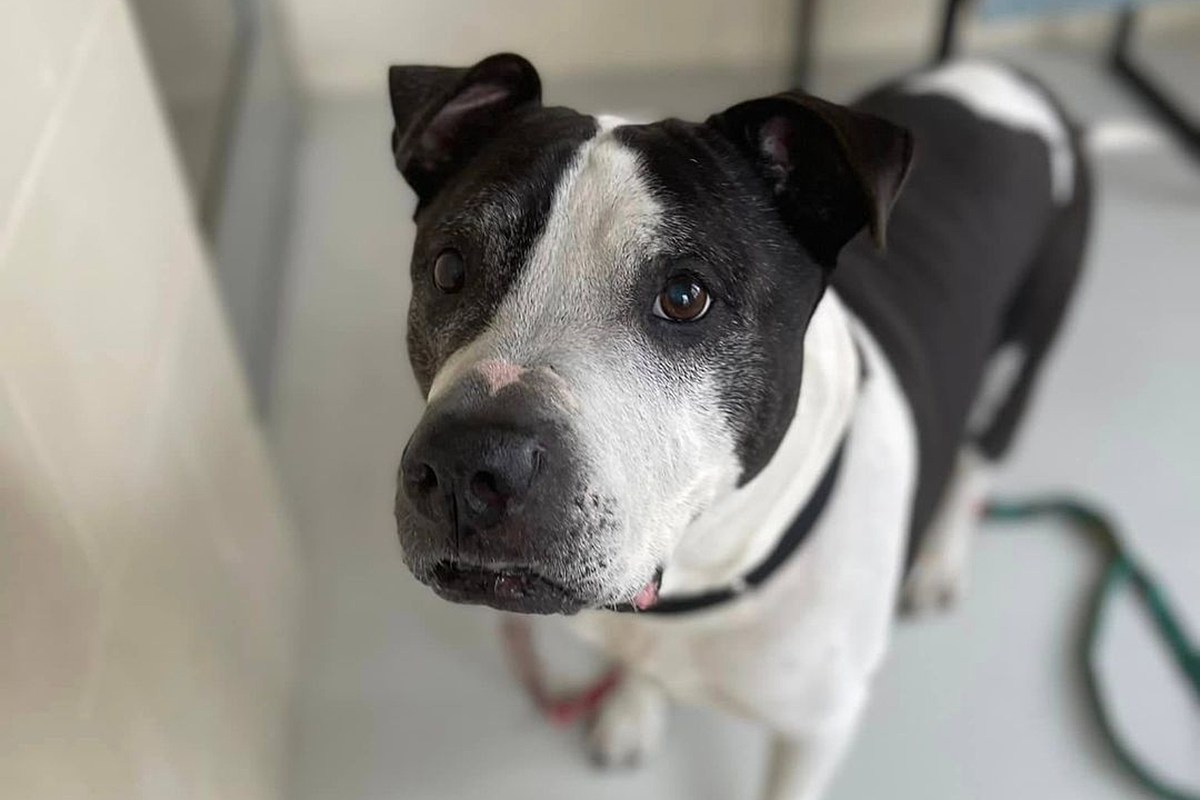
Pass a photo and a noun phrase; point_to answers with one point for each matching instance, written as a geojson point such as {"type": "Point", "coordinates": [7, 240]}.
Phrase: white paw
{"type": "Point", "coordinates": [629, 727]}
{"type": "Point", "coordinates": [937, 582]}
{"type": "Point", "coordinates": [938, 579]}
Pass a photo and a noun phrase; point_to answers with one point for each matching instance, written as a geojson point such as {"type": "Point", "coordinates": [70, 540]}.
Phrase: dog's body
{"type": "Point", "coordinates": [684, 453]}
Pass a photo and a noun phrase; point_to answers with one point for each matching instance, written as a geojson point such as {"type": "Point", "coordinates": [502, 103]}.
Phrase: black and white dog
{"type": "Point", "coordinates": [676, 381]}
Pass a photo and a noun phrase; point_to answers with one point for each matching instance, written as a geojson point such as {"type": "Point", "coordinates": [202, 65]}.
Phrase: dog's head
{"type": "Point", "coordinates": [607, 320]}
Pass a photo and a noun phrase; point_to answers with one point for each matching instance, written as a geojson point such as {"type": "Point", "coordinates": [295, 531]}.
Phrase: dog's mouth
{"type": "Point", "coordinates": [517, 589]}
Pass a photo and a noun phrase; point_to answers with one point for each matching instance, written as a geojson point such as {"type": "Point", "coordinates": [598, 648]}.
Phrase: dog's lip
{"type": "Point", "coordinates": [506, 587]}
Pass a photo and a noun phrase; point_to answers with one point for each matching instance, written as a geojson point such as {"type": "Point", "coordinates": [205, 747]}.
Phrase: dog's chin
{"type": "Point", "coordinates": [517, 589]}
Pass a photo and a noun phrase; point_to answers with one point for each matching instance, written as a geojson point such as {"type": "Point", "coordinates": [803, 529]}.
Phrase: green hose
{"type": "Point", "coordinates": [1120, 568]}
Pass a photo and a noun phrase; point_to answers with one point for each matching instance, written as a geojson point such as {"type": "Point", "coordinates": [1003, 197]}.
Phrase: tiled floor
{"type": "Point", "coordinates": [404, 696]}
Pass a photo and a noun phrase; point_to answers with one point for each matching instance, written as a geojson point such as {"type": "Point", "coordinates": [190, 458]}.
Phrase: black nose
{"type": "Point", "coordinates": [477, 475]}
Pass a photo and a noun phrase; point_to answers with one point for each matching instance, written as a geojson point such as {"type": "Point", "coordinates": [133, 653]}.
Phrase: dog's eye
{"type": "Point", "coordinates": [449, 271]}
{"type": "Point", "coordinates": [683, 299]}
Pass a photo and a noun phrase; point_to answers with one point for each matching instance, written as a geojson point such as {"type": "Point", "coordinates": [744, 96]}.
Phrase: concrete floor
{"type": "Point", "coordinates": [404, 696]}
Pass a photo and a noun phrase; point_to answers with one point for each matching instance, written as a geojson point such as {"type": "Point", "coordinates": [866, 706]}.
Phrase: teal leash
{"type": "Point", "coordinates": [1121, 568]}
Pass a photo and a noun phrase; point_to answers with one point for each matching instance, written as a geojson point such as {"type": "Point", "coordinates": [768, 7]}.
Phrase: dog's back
{"type": "Point", "coordinates": [984, 247]}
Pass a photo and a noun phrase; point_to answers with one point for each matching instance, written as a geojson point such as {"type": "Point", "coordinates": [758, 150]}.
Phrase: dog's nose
{"type": "Point", "coordinates": [482, 473]}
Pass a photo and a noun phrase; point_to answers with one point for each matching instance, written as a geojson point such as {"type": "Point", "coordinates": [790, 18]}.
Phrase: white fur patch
{"type": "Point", "coordinates": [631, 724]}
{"type": "Point", "coordinates": [999, 378]}
{"type": "Point", "coordinates": [939, 575]}
{"type": "Point", "coordinates": [609, 121]}
{"type": "Point", "coordinates": [995, 92]}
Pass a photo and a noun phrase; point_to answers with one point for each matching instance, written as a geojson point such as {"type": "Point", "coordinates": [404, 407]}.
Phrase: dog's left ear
{"type": "Point", "coordinates": [833, 170]}
{"type": "Point", "coordinates": [444, 114]}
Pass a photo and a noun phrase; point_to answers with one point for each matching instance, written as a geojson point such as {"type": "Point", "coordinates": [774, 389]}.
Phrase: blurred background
{"type": "Point", "coordinates": [204, 395]}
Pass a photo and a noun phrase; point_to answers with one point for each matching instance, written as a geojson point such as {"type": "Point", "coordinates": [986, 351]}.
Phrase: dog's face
{"type": "Point", "coordinates": [607, 321]}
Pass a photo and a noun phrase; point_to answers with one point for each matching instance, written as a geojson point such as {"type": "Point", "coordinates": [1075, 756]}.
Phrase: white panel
{"type": "Point", "coordinates": [147, 577]}
{"type": "Point", "coordinates": [93, 274]}
{"type": "Point", "coordinates": [49, 619]}
{"type": "Point", "coordinates": [38, 42]}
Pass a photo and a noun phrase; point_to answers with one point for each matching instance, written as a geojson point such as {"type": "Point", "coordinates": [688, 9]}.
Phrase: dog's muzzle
{"type": "Point", "coordinates": [492, 505]}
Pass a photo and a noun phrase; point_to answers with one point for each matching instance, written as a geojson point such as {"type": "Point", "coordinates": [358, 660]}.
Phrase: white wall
{"type": "Point", "coordinates": [347, 45]}
{"type": "Point", "coordinates": [147, 573]}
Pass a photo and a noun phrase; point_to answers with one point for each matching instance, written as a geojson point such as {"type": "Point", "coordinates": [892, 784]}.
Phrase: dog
{"type": "Point", "coordinates": [726, 392]}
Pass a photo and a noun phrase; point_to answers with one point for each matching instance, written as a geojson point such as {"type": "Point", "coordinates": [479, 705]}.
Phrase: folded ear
{"type": "Point", "coordinates": [444, 114]}
{"type": "Point", "coordinates": [832, 169]}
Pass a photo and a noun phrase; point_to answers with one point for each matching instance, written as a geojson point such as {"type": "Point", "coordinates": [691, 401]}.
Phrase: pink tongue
{"type": "Point", "coordinates": [647, 597]}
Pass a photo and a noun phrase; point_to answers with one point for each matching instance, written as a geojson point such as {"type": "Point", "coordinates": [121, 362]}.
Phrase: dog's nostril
{"type": "Point", "coordinates": [485, 486]}
{"type": "Point", "coordinates": [422, 478]}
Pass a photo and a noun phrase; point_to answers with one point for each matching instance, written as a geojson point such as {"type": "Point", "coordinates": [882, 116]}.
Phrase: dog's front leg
{"type": "Point", "coordinates": [630, 725]}
{"type": "Point", "coordinates": [801, 765]}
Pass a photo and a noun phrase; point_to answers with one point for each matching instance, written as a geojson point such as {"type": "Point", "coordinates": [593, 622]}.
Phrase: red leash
{"type": "Point", "coordinates": [561, 710]}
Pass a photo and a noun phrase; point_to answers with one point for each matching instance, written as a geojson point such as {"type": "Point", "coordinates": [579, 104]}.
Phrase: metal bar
{"type": "Point", "coordinates": [1168, 110]}
{"type": "Point", "coordinates": [948, 40]}
{"type": "Point", "coordinates": [802, 66]}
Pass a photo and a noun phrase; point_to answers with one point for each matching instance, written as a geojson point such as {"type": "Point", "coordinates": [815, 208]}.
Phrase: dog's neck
{"type": "Point", "coordinates": [734, 536]}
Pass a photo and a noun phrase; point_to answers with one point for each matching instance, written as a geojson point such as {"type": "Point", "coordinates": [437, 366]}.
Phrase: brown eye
{"type": "Point", "coordinates": [683, 299]}
{"type": "Point", "coordinates": [449, 271]}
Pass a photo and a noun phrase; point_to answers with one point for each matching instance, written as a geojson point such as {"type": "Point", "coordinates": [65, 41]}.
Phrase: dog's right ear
{"type": "Point", "coordinates": [444, 114]}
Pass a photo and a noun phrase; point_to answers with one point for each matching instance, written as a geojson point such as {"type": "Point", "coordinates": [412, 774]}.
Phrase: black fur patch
{"type": "Point", "coordinates": [965, 237]}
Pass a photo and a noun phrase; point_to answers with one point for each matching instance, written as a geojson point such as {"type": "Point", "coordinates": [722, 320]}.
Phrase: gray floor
{"type": "Point", "coordinates": [403, 696]}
